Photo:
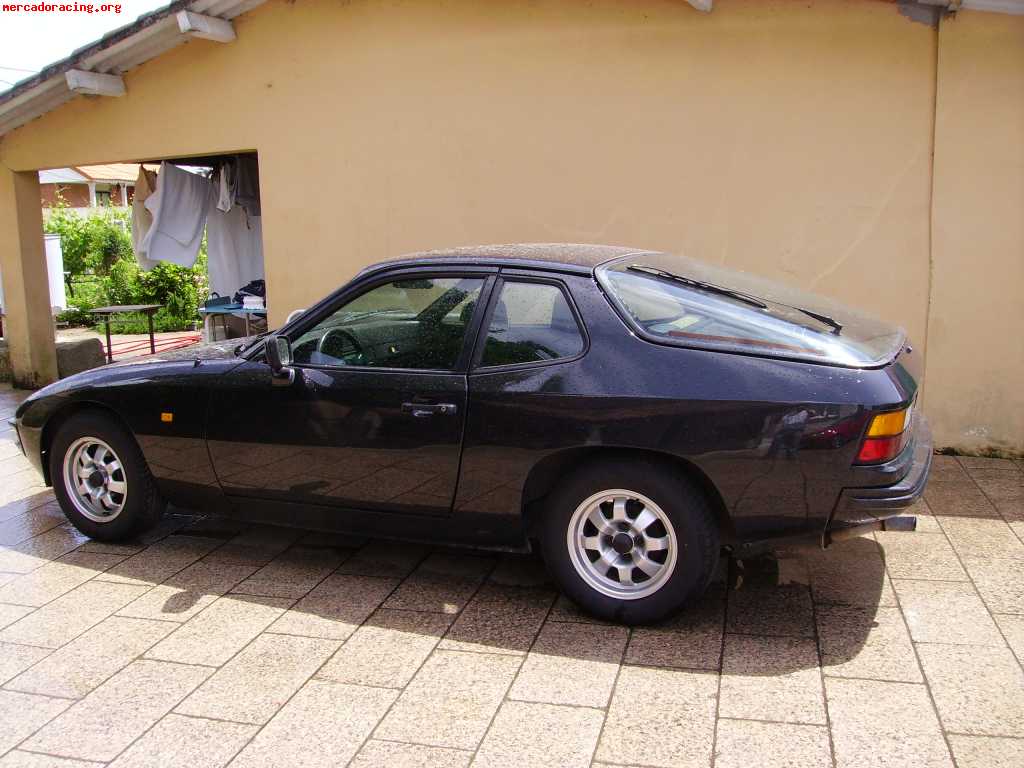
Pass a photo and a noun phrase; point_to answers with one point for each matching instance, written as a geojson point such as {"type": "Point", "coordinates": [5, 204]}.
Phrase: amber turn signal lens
{"type": "Point", "coordinates": [888, 424]}
{"type": "Point", "coordinates": [886, 437]}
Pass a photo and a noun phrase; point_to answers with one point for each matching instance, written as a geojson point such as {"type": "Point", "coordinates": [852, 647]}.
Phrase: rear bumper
{"type": "Point", "coordinates": [29, 440]}
{"type": "Point", "coordinates": [857, 506]}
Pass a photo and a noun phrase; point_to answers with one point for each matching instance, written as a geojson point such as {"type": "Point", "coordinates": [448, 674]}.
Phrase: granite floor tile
{"type": "Point", "coordinates": [771, 678]}
{"type": "Point", "coordinates": [525, 734]}
{"type": "Point", "coordinates": [55, 578]}
{"type": "Point", "coordinates": [14, 659]}
{"type": "Point", "coordinates": [376, 753]}
{"type": "Point", "coordinates": [161, 560]}
{"type": "Point", "coordinates": [21, 759]}
{"type": "Point", "coordinates": [977, 690]}
{"type": "Point", "coordinates": [974, 463]}
{"type": "Point", "coordinates": [779, 611]}
{"type": "Point", "coordinates": [336, 607]}
{"type": "Point", "coordinates": [256, 546]}
{"type": "Point", "coordinates": [566, 611]}
{"type": "Point", "coordinates": [220, 631]}
{"type": "Point", "coordinates": [857, 641]}
{"type": "Point", "coordinates": [920, 557]}
{"type": "Point", "coordinates": [987, 751]}
{"type": "Point", "coordinates": [958, 498]}
{"type": "Point", "coordinates": [384, 559]}
{"type": "Point", "coordinates": [11, 613]}
{"type": "Point", "coordinates": [500, 624]}
{"type": "Point", "coordinates": [259, 680]}
{"type": "Point", "coordinates": [19, 528]}
{"type": "Point", "coordinates": [885, 725]}
{"type": "Point", "coordinates": [186, 741]}
{"type": "Point", "coordinates": [474, 685]}
{"type": "Point", "coordinates": [999, 582]}
{"type": "Point", "coordinates": [1004, 489]}
{"type": "Point", "coordinates": [39, 550]}
{"type": "Point", "coordinates": [742, 743]}
{"type": "Point", "coordinates": [433, 592]}
{"type": "Point", "coordinates": [322, 726]}
{"type": "Point", "coordinates": [572, 664]}
{"type": "Point", "coordinates": [22, 714]}
{"type": "Point", "coordinates": [690, 640]}
{"type": "Point", "coordinates": [187, 592]}
{"type": "Point", "coordinates": [665, 716]}
{"type": "Point", "coordinates": [92, 657]}
{"type": "Point", "coordinates": [64, 619]}
{"type": "Point", "coordinates": [850, 572]}
{"type": "Point", "coordinates": [976, 537]}
{"type": "Point", "coordinates": [388, 649]}
{"type": "Point", "coordinates": [22, 504]}
{"type": "Point", "coordinates": [946, 612]}
{"type": "Point", "coordinates": [110, 718]}
{"type": "Point", "coordinates": [293, 573]}
{"type": "Point", "coordinates": [1012, 627]}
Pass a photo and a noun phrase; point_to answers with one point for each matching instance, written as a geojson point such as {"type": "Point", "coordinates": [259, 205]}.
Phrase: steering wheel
{"type": "Point", "coordinates": [345, 338]}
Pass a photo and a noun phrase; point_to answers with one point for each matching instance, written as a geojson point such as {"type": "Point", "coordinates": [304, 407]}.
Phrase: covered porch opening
{"type": "Point", "coordinates": [184, 240]}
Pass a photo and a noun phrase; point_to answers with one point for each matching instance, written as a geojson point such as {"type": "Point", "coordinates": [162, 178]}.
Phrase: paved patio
{"type": "Point", "coordinates": [207, 644]}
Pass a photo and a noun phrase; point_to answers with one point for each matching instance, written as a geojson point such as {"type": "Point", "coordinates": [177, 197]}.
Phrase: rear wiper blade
{"type": "Point", "coordinates": [699, 285]}
{"type": "Point", "coordinates": [836, 325]}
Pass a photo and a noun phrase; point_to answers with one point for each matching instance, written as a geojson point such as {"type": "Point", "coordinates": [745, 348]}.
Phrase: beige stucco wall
{"type": "Point", "coordinates": [789, 138]}
{"type": "Point", "coordinates": [976, 331]}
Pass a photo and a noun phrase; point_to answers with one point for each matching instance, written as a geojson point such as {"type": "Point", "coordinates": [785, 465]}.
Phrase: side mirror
{"type": "Point", "coordinates": [279, 357]}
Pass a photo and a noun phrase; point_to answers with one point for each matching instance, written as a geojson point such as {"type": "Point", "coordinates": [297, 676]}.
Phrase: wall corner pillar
{"type": "Point", "coordinates": [28, 321]}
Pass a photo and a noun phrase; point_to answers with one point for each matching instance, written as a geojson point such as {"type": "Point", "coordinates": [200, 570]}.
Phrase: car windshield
{"type": "Point", "coordinates": [680, 301]}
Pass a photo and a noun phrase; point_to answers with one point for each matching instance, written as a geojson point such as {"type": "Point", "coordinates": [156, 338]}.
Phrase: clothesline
{"type": "Point", "coordinates": [171, 211]}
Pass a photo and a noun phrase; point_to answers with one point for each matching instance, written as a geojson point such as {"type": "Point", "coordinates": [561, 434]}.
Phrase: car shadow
{"type": "Point", "coordinates": [791, 610]}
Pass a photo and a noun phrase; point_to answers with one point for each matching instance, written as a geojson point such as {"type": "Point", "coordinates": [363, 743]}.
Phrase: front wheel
{"type": "Point", "coordinates": [630, 541]}
{"type": "Point", "coordinates": [101, 479]}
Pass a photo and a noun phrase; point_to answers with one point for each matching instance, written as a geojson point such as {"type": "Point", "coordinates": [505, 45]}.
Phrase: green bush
{"type": "Point", "coordinates": [98, 253]}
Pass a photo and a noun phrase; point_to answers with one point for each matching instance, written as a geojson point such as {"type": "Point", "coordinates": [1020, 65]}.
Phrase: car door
{"type": "Point", "coordinates": [374, 417]}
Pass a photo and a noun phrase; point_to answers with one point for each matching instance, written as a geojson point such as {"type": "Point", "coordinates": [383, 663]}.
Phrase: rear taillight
{"type": "Point", "coordinates": [887, 435]}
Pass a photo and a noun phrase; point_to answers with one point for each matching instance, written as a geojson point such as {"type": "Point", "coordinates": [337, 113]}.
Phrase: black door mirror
{"type": "Point", "coordinates": [279, 358]}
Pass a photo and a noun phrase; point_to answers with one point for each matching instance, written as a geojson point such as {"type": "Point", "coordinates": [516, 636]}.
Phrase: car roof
{"type": "Point", "coordinates": [561, 257]}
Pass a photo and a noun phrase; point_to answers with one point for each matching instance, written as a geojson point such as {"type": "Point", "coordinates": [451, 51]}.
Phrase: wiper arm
{"type": "Point", "coordinates": [835, 324]}
{"type": "Point", "coordinates": [246, 347]}
{"type": "Point", "coordinates": [699, 285]}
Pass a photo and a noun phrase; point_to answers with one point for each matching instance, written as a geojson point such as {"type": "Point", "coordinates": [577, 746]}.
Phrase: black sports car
{"type": "Point", "coordinates": [629, 412]}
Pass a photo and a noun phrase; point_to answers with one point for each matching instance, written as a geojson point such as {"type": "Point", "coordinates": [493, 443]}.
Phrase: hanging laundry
{"type": "Point", "coordinates": [225, 189]}
{"type": "Point", "coordinates": [142, 219]}
{"type": "Point", "coordinates": [234, 243]}
{"type": "Point", "coordinates": [179, 206]}
{"type": "Point", "coordinates": [247, 183]}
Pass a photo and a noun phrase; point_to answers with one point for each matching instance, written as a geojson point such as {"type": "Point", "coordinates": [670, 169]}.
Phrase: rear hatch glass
{"type": "Point", "coordinates": [676, 300]}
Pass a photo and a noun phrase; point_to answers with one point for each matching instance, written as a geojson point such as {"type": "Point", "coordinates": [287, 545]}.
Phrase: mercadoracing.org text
{"type": "Point", "coordinates": [61, 7]}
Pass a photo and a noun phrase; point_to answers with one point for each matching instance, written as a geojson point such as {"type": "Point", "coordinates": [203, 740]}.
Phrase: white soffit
{"type": "Point", "coordinates": [115, 53]}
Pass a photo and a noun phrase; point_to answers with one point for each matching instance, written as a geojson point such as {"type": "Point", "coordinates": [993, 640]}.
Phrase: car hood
{"type": "Point", "coordinates": [214, 350]}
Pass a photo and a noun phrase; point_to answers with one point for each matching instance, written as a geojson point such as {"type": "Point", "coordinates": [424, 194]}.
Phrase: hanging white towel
{"type": "Point", "coordinates": [234, 244]}
{"type": "Point", "coordinates": [179, 207]}
{"type": "Point", "coordinates": [142, 219]}
{"type": "Point", "coordinates": [225, 193]}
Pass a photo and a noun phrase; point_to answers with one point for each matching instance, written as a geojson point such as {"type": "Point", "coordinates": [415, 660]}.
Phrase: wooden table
{"type": "Point", "coordinates": [123, 309]}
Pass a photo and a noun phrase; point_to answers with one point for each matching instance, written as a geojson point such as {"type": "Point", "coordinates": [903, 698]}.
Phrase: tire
{"type": "Point", "coordinates": [128, 501]}
{"type": "Point", "coordinates": [684, 528]}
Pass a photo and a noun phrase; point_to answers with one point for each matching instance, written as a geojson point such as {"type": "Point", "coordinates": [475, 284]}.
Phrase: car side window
{"type": "Point", "coordinates": [417, 324]}
{"type": "Point", "coordinates": [531, 322]}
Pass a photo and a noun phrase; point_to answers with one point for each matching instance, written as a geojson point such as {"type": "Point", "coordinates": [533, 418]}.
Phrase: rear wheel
{"type": "Point", "coordinates": [630, 541]}
{"type": "Point", "coordinates": [101, 479]}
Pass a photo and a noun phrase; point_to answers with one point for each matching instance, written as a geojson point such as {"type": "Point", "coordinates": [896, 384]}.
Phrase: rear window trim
{"type": "Point", "coordinates": [518, 277]}
{"type": "Point", "coordinates": [600, 275]}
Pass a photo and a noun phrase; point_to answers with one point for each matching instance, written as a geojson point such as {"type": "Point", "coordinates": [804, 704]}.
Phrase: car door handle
{"type": "Point", "coordinates": [423, 410]}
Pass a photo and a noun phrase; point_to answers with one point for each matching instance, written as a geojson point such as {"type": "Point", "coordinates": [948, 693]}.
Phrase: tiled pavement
{"type": "Point", "coordinates": [209, 644]}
